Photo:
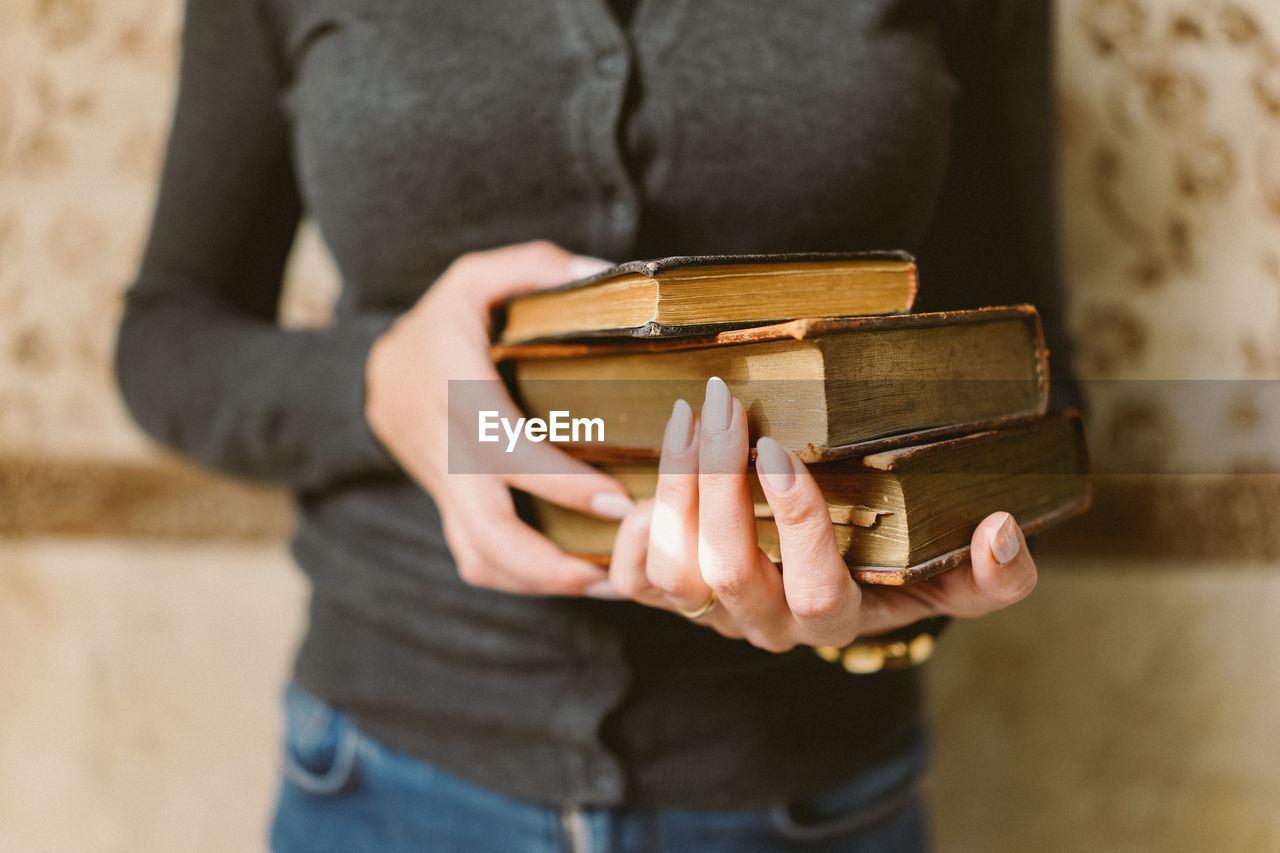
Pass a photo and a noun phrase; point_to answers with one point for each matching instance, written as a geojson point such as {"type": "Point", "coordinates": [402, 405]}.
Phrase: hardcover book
{"type": "Point", "coordinates": [686, 295]}
{"type": "Point", "coordinates": [902, 515]}
{"type": "Point", "coordinates": [822, 387]}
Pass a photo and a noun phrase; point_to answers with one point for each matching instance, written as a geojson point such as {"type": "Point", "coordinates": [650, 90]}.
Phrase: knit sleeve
{"type": "Point", "coordinates": [994, 239]}
{"type": "Point", "coordinates": [200, 359]}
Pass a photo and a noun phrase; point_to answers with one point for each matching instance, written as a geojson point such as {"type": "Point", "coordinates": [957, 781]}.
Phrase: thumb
{"type": "Point", "coordinates": [1003, 572]}
{"type": "Point", "coordinates": [999, 572]}
{"type": "Point", "coordinates": [555, 476]}
{"type": "Point", "coordinates": [498, 273]}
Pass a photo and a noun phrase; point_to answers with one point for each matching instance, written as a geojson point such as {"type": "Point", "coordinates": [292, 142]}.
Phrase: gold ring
{"type": "Point", "coordinates": [702, 610]}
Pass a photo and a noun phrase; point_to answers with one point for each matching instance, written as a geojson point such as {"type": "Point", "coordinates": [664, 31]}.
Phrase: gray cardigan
{"type": "Point", "coordinates": [412, 132]}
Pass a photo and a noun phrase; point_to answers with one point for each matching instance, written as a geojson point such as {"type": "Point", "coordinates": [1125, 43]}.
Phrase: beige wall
{"type": "Point", "coordinates": [139, 681]}
{"type": "Point", "coordinates": [1132, 704]}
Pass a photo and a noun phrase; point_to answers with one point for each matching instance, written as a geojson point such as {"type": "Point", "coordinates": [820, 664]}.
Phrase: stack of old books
{"type": "Point", "coordinates": [916, 426]}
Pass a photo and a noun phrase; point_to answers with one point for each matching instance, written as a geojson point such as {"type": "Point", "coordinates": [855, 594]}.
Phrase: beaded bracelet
{"type": "Point", "coordinates": [905, 647]}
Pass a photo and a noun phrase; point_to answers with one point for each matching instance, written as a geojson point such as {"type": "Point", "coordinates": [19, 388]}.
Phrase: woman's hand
{"type": "Point", "coordinates": [697, 539]}
{"type": "Point", "coordinates": [446, 336]}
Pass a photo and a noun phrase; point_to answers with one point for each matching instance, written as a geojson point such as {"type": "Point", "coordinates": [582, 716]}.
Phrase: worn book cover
{"type": "Point", "coordinates": [698, 294]}
{"type": "Point", "coordinates": [822, 387]}
{"type": "Point", "coordinates": [902, 515]}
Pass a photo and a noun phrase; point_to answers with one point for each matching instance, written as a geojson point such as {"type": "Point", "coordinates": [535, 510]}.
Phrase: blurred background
{"type": "Point", "coordinates": [148, 610]}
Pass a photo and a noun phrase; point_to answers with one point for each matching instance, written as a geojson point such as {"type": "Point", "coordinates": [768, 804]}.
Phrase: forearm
{"type": "Point", "coordinates": [201, 360]}
{"type": "Point", "coordinates": [246, 397]}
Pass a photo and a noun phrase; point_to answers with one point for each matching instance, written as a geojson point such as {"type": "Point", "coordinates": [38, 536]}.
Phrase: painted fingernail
{"type": "Point", "coordinates": [679, 434]}
{"type": "Point", "coordinates": [717, 408]}
{"type": "Point", "coordinates": [604, 590]}
{"type": "Point", "coordinates": [581, 266]}
{"type": "Point", "coordinates": [774, 465]}
{"type": "Point", "coordinates": [611, 504]}
{"type": "Point", "coordinates": [1005, 544]}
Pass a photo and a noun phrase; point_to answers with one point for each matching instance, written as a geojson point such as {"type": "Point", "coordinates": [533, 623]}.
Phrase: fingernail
{"type": "Point", "coordinates": [611, 504]}
{"type": "Point", "coordinates": [774, 465]}
{"type": "Point", "coordinates": [582, 266]}
{"type": "Point", "coordinates": [679, 433]}
{"type": "Point", "coordinates": [1005, 544]}
{"type": "Point", "coordinates": [717, 407]}
{"type": "Point", "coordinates": [605, 590]}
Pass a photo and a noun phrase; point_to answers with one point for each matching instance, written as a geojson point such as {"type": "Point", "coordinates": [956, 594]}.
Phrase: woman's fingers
{"type": "Point", "coordinates": [494, 548]}
{"type": "Point", "coordinates": [999, 572]}
{"type": "Point", "coordinates": [822, 597]}
{"type": "Point", "coordinates": [555, 476]}
{"type": "Point", "coordinates": [494, 274]}
{"type": "Point", "coordinates": [746, 583]}
{"type": "Point", "coordinates": [427, 380]}
{"type": "Point", "coordinates": [701, 537]}
{"type": "Point", "coordinates": [537, 467]}
{"type": "Point", "coordinates": [673, 533]}
{"type": "Point", "coordinates": [627, 564]}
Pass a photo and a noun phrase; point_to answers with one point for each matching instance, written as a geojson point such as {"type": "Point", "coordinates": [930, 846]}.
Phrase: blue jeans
{"type": "Point", "coordinates": [344, 792]}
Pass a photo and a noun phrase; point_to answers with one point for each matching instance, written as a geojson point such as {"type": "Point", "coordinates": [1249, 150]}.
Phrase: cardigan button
{"type": "Point", "coordinates": [607, 785]}
{"type": "Point", "coordinates": [621, 212]}
{"type": "Point", "coordinates": [611, 64]}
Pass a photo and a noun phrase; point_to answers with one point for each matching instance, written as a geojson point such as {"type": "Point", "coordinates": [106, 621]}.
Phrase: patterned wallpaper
{"type": "Point", "coordinates": [1170, 131]}
{"type": "Point", "coordinates": [85, 93]}
{"type": "Point", "coordinates": [86, 88]}
{"type": "Point", "coordinates": [1170, 171]}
